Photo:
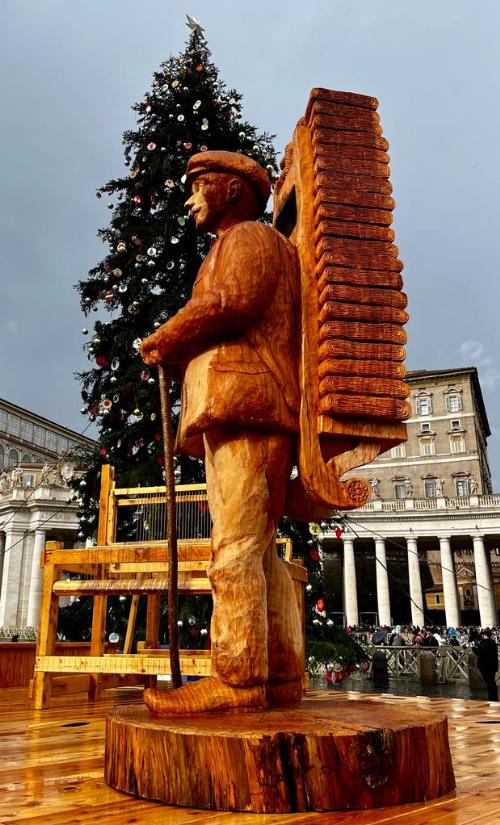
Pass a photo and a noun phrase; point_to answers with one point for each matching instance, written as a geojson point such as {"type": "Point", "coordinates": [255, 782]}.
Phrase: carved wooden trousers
{"type": "Point", "coordinates": [256, 630]}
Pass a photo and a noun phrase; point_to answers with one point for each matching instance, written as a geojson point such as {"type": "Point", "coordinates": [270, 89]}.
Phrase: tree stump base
{"type": "Point", "coordinates": [327, 754]}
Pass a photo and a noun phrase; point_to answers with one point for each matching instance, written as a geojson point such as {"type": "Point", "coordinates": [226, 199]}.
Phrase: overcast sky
{"type": "Point", "coordinates": [71, 69]}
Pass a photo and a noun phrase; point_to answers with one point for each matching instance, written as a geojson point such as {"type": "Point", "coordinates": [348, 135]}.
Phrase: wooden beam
{"type": "Point", "coordinates": [140, 552]}
{"type": "Point", "coordinates": [157, 567]}
{"type": "Point", "coordinates": [147, 498]}
{"type": "Point", "coordinates": [129, 554]}
{"type": "Point", "coordinates": [47, 628]}
{"type": "Point", "coordinates": [147, 665]}
{"type": "Point", "coordinates": [179, 488]}
{"type": "Point", "coordinates": [115, 587]}
{"type": "Point", "coordinates": [132, 618]}
{"type": "Point", "coordinates": [107, 477]}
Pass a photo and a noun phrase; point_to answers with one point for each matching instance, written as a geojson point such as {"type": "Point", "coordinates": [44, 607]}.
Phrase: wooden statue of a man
{"type": "Point", "coordinates": [236, 342]}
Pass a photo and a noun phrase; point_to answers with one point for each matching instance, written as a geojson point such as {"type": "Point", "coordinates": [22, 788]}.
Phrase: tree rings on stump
{"type": "Point", "coordinates": [327, 754]}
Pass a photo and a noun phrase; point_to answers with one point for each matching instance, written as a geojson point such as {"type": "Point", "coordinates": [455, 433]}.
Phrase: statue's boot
{"type": "Point", "coordinates": [209, 694]}
{"type": "Point", "coordinates": [285, 694]}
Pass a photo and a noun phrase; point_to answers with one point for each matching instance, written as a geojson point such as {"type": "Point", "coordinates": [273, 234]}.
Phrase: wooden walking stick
{"type": "Point", "coordinates": [170, 518]}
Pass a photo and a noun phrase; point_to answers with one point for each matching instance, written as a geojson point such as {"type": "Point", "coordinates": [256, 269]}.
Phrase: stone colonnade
{"type": "Point", "coordinates": [20, 576]}
{"type": "Point", "coordinates": [484, 582]}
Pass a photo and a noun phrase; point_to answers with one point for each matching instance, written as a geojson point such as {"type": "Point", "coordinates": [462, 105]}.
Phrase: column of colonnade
{"type": "Point", "coordinates": [382, 582]}
{"type": "Point", "coordinates": [11, 577]}
{"type": "Point", "coordinates": [449, 579]}
{"type": "Point", "coordinates": [349, 582]}
{"type": "Point", "coordinates": [415, 582]}
{"type": "Point", "coordinates": [35, 579]}
{"type": "Point", "coordinates": [2, 553]}
{"type": "Point", "coordinates": [484, 582]}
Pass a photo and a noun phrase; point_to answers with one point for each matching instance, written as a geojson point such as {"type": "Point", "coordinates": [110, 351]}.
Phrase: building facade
{"type": "Point", "coordinates": [36, 466]}
{"type": "Point", "coordinates": [425, 549]}
{"type": "Point", "coordinates": [26, 437]}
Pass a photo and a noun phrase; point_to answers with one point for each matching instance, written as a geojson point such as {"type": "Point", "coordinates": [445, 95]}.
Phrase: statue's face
{"type": "Point", "coordinates": [210, 200]}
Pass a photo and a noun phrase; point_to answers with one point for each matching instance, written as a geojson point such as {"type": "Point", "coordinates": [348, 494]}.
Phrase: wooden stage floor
{"type": "Point", "coordinates": [51, 770]}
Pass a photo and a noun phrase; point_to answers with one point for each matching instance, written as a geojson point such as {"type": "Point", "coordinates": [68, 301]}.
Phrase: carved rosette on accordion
{"type": "Point", "coordinates": [333, 199]}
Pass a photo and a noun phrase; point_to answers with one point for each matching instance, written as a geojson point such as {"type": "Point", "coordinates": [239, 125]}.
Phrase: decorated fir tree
{"type": "Point", "coordinates": [152, 257]}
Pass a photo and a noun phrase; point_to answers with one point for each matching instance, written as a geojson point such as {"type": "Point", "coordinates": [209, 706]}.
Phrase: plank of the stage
{"type": "Point", "coordinates": [52, 772]}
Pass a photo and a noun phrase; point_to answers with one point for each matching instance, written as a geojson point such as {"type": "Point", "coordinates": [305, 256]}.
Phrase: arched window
{"type": "Point", "coordinates": [27, 457]}
{"type": "Point", "coordinates": [2, 456]}
{"type": "Point", "coordinates": [13, 458]}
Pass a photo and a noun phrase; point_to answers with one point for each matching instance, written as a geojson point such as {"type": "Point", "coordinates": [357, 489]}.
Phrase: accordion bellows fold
{"type": "Point", "coordinates": [363, 303]}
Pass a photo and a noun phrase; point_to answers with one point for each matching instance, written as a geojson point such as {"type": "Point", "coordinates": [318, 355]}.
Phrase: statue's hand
{"type": "Point", "coordinates": [150, 350]}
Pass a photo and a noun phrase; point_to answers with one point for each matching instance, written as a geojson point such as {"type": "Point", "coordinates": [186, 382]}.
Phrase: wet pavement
{"type": "Point", "coordinates": [404, 687]}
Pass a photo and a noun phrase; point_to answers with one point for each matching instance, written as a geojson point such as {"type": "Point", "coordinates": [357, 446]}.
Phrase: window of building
{"type": "Point", "coordinates": [453, 401]}
{"type": "Point", "coordinates": [63, 444]}
{"type": "Point", "coordinates": [14, 425]}
{"type": "Point", "coordinates": [3, 421]}
{"type": "Point", "coordinates": [430, 488]}
{"type": "Point", "coordinates": [399, 451]}
{"type": "Point", "coordinates": [457, 443]}
{"type": "Point", "coordinates": [400, 490]}
{"type": "Point", "coordinates": [455, 423]}
{"type": "Point", "coordinates": [427, 446]}
{"type": "Point", "coordinates": [39, 436]}
{"type": "Point", "coordinates": [423, 405]}
{"type": "Point", "coordinates": [27, 457]}
{"type": "Point", "coordinates": [2, 456]}
{"type": "Point", "coordinates": [26, 430]}
{"type": "Point", "coordinates": [462, 486]}
{"type": "Point", "coordinates": [437, 599]}
{"type": "Point", "coordinates": [425, 427]}
{"type": "Point", "coordinates": [13, 458]}
{"type": "Point", "coordinates": [51, 441]}
{"type": "Point", "coordinates": [29, 479]}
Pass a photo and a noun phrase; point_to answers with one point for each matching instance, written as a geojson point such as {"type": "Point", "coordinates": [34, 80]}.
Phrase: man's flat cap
{"type": "Point", "coordinates": [233, 163]}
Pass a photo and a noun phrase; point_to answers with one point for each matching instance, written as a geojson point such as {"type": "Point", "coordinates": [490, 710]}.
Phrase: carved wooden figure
{"type": "Point", "coordinates": [330, 299]}
{"type": "Point", "coordinates": [291, 351]}
{"type": "Point", "coordinates": [236, 342]}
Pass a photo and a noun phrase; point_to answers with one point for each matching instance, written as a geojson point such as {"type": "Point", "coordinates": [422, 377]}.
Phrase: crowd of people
{"type": "Point", "coordinates": [484, 643]}
{"type": "Point", "coordinates": [426, 636]}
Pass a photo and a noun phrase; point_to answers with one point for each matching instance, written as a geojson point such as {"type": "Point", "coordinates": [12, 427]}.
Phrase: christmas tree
{"type": "Point", "coordinates": [146, 276]}
{"type": "Point", "coordinates": [153, 254]}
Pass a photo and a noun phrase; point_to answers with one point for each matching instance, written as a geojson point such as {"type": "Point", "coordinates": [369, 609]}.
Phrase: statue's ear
{"type": "Point", "coordinates": [234, 189]}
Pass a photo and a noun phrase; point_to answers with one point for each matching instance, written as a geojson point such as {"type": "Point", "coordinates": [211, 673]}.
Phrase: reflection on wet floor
{"type": "Point", "coordinates": [404, 687]}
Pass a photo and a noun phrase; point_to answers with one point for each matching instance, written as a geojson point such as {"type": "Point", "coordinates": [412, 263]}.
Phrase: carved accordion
{"type": "Point", "coordinates": [333, 200]}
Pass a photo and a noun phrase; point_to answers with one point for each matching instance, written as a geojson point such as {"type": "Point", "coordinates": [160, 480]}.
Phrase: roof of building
{"type": "Point", "coordinates": [61, 429]}
{"type": "Point", "coordinates": [416, 375]}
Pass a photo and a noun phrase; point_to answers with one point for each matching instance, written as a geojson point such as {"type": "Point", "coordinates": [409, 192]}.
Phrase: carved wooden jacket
{"type": "Point", "coordinates": [236, 339]}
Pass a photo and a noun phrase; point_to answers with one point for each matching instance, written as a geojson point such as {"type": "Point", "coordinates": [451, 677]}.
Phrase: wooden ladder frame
{"type": "Point", "coordinates": [135, 568]}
